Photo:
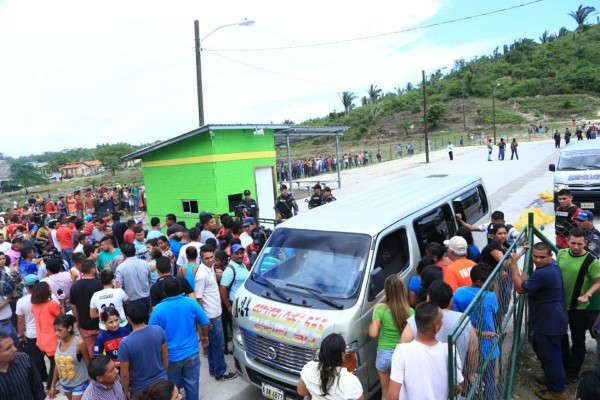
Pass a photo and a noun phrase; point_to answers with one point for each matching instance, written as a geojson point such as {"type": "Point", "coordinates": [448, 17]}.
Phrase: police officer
{"type": "Point", "coordinates": [327, 196]}
{"type": "Point", "coordinates": [285, 206]}
{"type": "Point", "coordinates": [317, 198]}
{"type": "Point", "coordinates": [248, 207]}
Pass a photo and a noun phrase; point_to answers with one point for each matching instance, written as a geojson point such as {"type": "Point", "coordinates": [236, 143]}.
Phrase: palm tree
{"type": "Point", "coordinates": [581, 14]}
{"type": "Point", "coordinates": [347, 100]}
{"type": "Point", "coordinates": [563, 32]}
{"type": "Point", "coordinates": [364, 101]}
{"type": "Point", "coordinates": [374, 93]}
{"type": "Point", "coordinates": [545, 38]}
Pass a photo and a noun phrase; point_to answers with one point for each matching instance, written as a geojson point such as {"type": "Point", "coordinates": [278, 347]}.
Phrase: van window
{"type": "Point", "coordinates": [579, 160]}
{"type": "Point", "coordinates": [435, 226]}
{"type": "Point", "coordinates": [472, 205]}
{"type": "Point", "coordinates": [316, 260]}
{"type": "Point", "coordinates": [392, 257]}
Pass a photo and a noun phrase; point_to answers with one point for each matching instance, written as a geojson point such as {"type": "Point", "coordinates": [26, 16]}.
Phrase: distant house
{"type": "Point", "coordinates": [81, 168]}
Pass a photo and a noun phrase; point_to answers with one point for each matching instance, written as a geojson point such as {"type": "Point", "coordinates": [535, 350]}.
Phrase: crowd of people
{"type": "Point", "coordinates": [96, 299]}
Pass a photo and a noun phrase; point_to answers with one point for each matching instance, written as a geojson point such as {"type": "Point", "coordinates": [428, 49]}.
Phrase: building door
{"type": "Point", "coordinates": [265, 191]}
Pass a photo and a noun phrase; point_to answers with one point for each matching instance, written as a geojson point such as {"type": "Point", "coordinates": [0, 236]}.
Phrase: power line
{"type": "Point", "coordinates": [281, 74]}
{"type": "Point", "coordinates": [382, 34]}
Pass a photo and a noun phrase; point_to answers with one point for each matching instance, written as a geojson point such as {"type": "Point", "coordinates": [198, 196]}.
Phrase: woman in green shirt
{"type": "Point", "coordinates": [389, 320]}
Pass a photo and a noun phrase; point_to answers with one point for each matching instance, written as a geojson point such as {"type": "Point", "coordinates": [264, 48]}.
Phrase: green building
{"type": "Point", "coordinates": [209, 168]}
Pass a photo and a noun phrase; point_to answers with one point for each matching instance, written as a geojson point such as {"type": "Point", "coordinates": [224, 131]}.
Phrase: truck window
{"type": "Point", "coordinates": [392, 257]}
{"type": "Point", "coordinates": [435, 226]}
{"type": "Point", "coordinates": [472, 205]}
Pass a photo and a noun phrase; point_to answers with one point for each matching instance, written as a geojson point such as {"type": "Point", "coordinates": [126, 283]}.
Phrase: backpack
{"type": "Point", "coordinates": [233, 280]}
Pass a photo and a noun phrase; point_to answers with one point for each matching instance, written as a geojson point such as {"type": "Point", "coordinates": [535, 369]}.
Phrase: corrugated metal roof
{"type": "Point", "coordinates": [281, 133]}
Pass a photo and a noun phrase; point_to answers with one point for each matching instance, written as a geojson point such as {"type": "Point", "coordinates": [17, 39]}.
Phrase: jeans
{"type": "Point", "coordinates": [186, 374]}
{"type": "Point", "coordinates": [574, 356]}
{"type": "Point", "coordinates": [66, 255]}
{"type": "Point", "coordinates": [548, 351]}
{"type": "Point", "coordinates": [513, 152]}
{"type": "Point", "coordinates": [215, 350]}
{"type": "Point", "coordinates": [37, 356]}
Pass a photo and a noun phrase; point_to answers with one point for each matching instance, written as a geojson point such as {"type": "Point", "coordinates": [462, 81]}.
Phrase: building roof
{"type": "Point", "coordinates": [281, 134]}
{"type": "Point", "coordinates": [93, 163]}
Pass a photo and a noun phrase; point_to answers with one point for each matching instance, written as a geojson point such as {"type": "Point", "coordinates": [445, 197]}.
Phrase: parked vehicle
{"type": "Point", "coordinates": [324, 271]}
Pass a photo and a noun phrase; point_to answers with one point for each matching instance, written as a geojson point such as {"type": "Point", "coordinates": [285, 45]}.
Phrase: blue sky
{"type": "Point", "coordinates": [75, 73]}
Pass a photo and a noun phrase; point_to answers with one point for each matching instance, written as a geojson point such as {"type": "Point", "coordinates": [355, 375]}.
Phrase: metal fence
{"type": "Point", "coordinates": [498, 317]}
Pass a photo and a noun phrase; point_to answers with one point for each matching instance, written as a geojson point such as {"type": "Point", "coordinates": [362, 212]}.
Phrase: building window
{"type": "Point", "coordinates": [234, 200]}
{"type": "Point", "coordinates": [190, 206]}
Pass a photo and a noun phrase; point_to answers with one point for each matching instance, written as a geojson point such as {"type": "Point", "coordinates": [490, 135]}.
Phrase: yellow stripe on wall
{"type": "Point", "coordinates": [210, 159]}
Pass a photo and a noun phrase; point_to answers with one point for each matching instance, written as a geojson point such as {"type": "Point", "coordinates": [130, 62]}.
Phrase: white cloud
{"type": "Point", "coordinates": [74, 74]}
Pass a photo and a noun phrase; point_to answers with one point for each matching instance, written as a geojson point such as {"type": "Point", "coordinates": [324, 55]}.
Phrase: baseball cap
{"type": "Point", "coordinates": [317, 186]}
{"type": "Point", "coordinates": [30, 280]}
{"type": "Point", "coordinates": [248, 221]}
{"type": "Point", "coordinates": [246, 192]}
{"type": "Point", "coordinates": [584, 215]}
{"type": "Point", "coordinates": [282, 187]}
{"type": "Point", "coordinates": [236, 247]}
{"type": "Point", "coordinates": [88, 217]}
{"type": "Point", "coordinates": [457, 244]}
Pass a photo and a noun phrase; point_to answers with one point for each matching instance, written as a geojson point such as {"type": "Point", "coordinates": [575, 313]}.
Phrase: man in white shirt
{"type": "Point", "coordinates": [246, 237]}
{"type": "Point", "coordinates": [4, 245]}
{"type": "Point", "coordinates": [207, 294]}
{"type": "Point", "coordinates": [194, 234]}
{"type": "Point", "coordinates": [420, 368]}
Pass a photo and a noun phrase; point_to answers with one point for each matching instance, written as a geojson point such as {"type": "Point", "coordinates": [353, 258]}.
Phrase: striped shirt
{"type": "Point", "coordinates": [21, 381]}
{"type": "Point", "coordinates": [97, 391]}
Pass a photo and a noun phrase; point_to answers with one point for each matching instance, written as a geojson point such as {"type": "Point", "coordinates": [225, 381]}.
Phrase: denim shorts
{"type": "Point", "coordinates": [76, 390]}
{"type": "Point", "coordinates": [383, 362]}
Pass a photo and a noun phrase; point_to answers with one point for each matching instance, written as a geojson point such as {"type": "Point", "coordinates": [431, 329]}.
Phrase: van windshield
{"type": "Point", "coordinates": [331, 263]}
{"type": "Point", "coordinates": [579, 160]}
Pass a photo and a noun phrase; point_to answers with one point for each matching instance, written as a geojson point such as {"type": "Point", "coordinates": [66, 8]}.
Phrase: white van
{"type": "Point", "coordinates": [578, 169]}
{"type": "Point", "coordinates": [323, 271]}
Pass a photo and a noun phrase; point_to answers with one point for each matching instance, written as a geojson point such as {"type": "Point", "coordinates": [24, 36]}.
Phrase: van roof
{"type": "Point", "coordinates": [375, 207]}
{"type": "Point", "coordinates": [581, 145]}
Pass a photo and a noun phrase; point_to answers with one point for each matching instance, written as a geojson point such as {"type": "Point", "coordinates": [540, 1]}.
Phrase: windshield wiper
{"type": "Point", "coordinates": [571, 169]}
{"type": "Point", "coordinates": [317, 294]}
{"type": "Point", "coordinates": [272, 287]}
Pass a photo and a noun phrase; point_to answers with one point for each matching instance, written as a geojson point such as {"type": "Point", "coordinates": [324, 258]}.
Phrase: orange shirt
{"type": "Point", "coordinates": [64, 235]}
{"type": "Point", "coordinates": [458, 274]}
{"type": "Point", "coordinates": [44, 316]}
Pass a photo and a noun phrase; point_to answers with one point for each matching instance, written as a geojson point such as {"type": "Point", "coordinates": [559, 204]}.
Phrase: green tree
{"type": "Point", "coordinates": [347, 100]}
{"type": "Point", "coordinates": [581, 15]}
{"type": "Point", "coordinates": [374, 93]}
{"type": "Point", "coordinates": [436, 112]}
{"type": "Point", "coordinates": [110, 155]}
{"type": "Point", "coordinates": [26, 175]}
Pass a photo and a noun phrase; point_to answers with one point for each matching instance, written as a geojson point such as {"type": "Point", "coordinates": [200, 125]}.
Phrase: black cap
{"type": "Point", "coordinates": [317, 186]}
{"type": "Point", "coordinates": [246, 192]}
{"type": "Point", "coordinates": [283, 186]}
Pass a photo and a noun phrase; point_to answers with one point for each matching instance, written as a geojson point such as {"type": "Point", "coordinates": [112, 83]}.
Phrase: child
{"type": "Point", "coordinates": [414, 285]}
{"type": "Point", "coordinates": [28, 264]}
{"type": "Point", "coordinates": [108, 341]}
{"type": "Point", "coordinates": [72, 358]}
{"type": "Point", "coordinates": [188, 271]}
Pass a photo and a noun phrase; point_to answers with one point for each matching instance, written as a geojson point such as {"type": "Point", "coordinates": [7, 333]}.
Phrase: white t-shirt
{"type": "Point", "coordinates": [110, 297]}
{"type": "Point", "coordinates": [245, 239]}
{"type": "Point", "coordinates": [207, 289]}
{"type": "Point", "coordinates": [24, 308]}
{"type": "Point", "coordinates": [422, 370]}
{"type": "Point", "coordinates": [5, 247]}
{"type": "Point", "coordinates": [182, 258]}
{"type": "Point", "coordinates": [345, 387]}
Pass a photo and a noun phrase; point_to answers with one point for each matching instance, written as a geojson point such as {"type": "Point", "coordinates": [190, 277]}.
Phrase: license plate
{"type": "Point", "coordinates": [272, 393]}
{"type": "Point", "coordinates": [587, 205]}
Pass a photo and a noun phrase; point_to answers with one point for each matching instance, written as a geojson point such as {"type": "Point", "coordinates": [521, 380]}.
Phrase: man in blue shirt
{"type": "Point", "coordinates": [483, 319]}
{"type": "Point", "coordinates": [233, 276]}
{"type": "Point", "coordinates": [548, 317]}
{"type": "Point", "coordinates": [178, 316]}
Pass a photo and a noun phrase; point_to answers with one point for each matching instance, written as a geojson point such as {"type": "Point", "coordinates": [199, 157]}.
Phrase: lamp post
{"type": "Point", "coordinates": [246, 22]}
{"type": "Point", "coordinates": [494, 110]}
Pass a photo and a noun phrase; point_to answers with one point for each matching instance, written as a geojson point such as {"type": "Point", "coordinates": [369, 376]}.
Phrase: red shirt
{"type": "Point", "coordinates": [128, 236]}
{"type": "Point", "coordinates": [64, 237]}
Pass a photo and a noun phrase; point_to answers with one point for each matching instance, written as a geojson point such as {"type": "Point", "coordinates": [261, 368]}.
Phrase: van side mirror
{"type": "Point", "coordinates": [552, 167]}
{"type": "Point", "coordinates": [375, 286]}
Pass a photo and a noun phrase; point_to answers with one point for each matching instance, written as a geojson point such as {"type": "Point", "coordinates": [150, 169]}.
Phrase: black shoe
{"type": "Point", "coordinates": [227, 377]}
{"type": "Point", "coordinates": [226, 352]}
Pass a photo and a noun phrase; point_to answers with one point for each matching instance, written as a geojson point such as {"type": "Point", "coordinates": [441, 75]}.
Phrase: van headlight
{"type": "Point", "coordinates": [560, 186]}
{"type": "Point", "coordinates": [351, 357]}
{"type": "Point", "coordinates": [237, 335]}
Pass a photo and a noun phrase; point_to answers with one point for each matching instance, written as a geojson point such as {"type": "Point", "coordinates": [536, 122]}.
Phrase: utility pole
{"type": "Point", "coordinates": [425, 118]}
{"type": "Point", "coordinates": [464, 114]}
{"type": "Point", "coordinates": [199, 73]}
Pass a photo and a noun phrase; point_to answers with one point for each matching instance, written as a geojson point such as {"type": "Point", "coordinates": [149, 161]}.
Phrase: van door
{"type": "Point", "coordinates": [435, 226]}
{"type": "Point", "coordinates": [473, 206]}
{"type": "Point", "coordinates": [391, 256]}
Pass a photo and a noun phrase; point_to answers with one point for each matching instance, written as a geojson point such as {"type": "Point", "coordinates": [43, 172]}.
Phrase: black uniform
{"type": "Point", "coordinates": [249, 205]}
{"type": "Point", "coordinates": [286, 206]}
{"type": "Point", "coordinates": [315, 200]}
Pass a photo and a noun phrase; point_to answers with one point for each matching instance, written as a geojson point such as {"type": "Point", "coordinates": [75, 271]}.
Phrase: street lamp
{"type": "Point", "coordinates": [245, 22]}
{"type": "Point", "coordinates": [425, 113]}
{"type": "Point", "coordinates": [494, 109]}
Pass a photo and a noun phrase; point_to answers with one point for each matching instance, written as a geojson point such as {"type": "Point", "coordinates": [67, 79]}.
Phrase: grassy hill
{"type": "Point", "coordinates": [549, 82]}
